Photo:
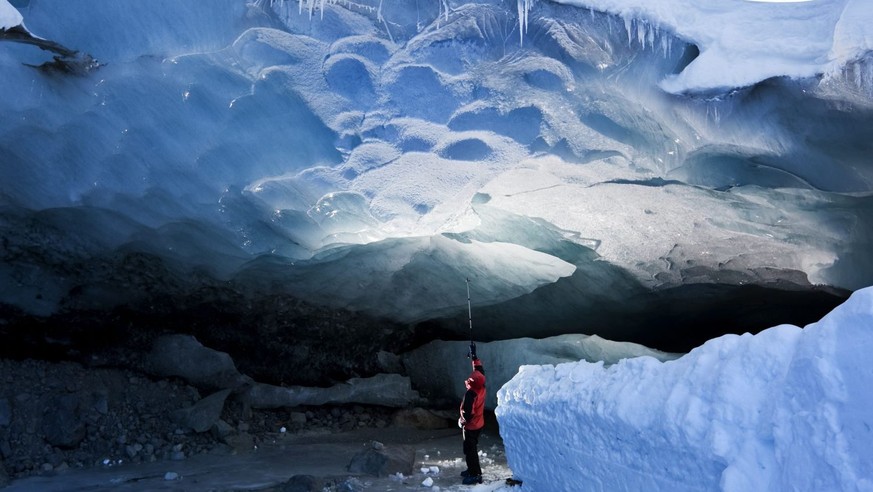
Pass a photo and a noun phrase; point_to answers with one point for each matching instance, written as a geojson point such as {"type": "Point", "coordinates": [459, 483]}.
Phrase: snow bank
{"type": "Point", "coordinates": [9, 16]}
{"type": "Point", "coordinates": [787, 409]}
{"type": "Point", "coordinates": [744, 42]}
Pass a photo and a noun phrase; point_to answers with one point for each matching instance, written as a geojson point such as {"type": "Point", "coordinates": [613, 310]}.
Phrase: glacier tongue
{"type": "Point", "coordinates": [370, 156]}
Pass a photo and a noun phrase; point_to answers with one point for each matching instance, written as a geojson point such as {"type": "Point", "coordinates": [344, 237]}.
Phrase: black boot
{"type": "Point", "coordinates": [472, 479]}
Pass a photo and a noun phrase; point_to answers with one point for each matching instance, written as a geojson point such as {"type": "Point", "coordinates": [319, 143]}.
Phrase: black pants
{"type": "Point", "coordinates": [471, 451]}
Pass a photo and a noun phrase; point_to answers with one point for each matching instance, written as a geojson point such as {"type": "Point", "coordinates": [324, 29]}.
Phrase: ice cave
{"type": "Point", "coordinates": [242, 237]}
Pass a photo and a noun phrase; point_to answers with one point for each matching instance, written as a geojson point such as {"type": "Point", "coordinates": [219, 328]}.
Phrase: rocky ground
{"type": "Point", "coordinates": [56, 418]}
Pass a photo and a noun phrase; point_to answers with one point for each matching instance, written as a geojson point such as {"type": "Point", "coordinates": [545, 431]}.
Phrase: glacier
{"type": "Point", "coordinates": [593, 167]}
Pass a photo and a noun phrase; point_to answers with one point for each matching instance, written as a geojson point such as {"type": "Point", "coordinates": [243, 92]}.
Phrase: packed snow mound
{"type": "Point", "coordinates": [744, 42]}
{"type": "Point", "coordinates": [786, 409]}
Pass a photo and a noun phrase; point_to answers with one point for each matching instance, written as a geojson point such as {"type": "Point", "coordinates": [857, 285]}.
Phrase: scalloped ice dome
{"type": "Point", "coordinates": [369, 156]}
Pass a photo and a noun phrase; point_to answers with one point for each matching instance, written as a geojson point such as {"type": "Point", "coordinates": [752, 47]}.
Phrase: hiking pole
{"type": "Point", "coordinates": [470, 318]}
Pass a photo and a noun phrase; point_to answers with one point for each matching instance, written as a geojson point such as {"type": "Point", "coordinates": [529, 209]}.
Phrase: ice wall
{"type": "Point", "coordinates": [786, 409]}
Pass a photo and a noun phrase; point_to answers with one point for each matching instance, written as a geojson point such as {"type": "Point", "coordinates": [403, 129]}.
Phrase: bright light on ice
{"type": "Point", "coordinates": [787, 409]}
{"type": "Point", "coordinates": [9, 16]}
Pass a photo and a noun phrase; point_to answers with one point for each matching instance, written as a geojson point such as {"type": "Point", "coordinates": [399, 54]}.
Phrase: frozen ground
{"type": "Point", "coordinates": [280, 458]}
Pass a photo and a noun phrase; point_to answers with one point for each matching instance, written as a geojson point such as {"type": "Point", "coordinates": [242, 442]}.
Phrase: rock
{"type": "Point", "coordinates": [5, 412]}
{"type": "Point", "coordinates": [204, 414]}
{"type": "Point", "coordinates": [62, 425]}
{"type": "Point", "coordinates": [383, 462]}
{"type": "Point", "coordinates": [350, 485]}
{"type": "Point", "coordinates": [171, 476]}
{"type": "Point", "coordinates": [183, 356]}
{"type": "Point", "coordinates": [131, 451]}
{"type": "Point", "coordinates": [301, 483]}
{"type": "Point", "coordinates": [428, 482]}
{"type": "Point", "coordinates": [389, 390]}
{"type": "Point", "coordinates": [221, 430]}
{"type": "Point", "coordinates": [241, 443]}
{"type": "Point", "coordinates": [101, 402]}
{"type": "Point", "coordinates": [420, 418]}
{"type": "Point", "coordinates": [389, 362]}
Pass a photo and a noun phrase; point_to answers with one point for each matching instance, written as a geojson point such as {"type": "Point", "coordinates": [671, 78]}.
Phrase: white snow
{"type": "Point", "coordinates": [743, 42]}
{"type": "Point", "coordinates": [786, 409]}
{"type": "Point", "coordinates": [9, 15]}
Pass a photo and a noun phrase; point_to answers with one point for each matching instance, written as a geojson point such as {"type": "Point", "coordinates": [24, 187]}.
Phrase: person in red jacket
{"type": "Point", "coordinates": [473, 419]}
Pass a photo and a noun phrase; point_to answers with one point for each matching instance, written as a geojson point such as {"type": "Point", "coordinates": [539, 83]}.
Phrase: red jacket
{"type": "Point", "coordinates": [473, 405]}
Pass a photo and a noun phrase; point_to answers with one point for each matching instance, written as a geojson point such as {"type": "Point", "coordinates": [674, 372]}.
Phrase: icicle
{"type": "Point", "coordinates": [322, 9]}
{"type": "Point", "coordinates": [444, 11]}
{"type": "Point", "coordinates": [666, 45]}
{"type": "Point", "coordinates": [521, 22]}
{"type": "Point", "coordinates": [641, 33]}
{"type": "Point", "coordinates": [628, 26]}
{"type": "Point", "coordinates": [381, 19]}
{"type": "Point", "coordinates": [524, 7]}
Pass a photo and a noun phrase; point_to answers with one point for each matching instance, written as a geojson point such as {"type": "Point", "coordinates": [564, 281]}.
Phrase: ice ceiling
{"type": "Point", "coordinates": [369, 156]}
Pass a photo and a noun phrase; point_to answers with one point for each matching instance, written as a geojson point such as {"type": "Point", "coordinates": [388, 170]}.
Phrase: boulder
{"type": "Point", "coordinates": [388, 460]}
{"type": "Point", "coordinates": [203, 415]}
{"type": "Point", "coordinates": [389, 390]}
{"type": "Point", "coordinates": [183, 356]}
{"type": "Point", "coordinates": [301, 483]}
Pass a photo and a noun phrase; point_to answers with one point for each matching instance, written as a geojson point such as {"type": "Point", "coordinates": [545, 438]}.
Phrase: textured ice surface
{"type": "Point", "coordinates": [372, 155]}
{"type": "Point", "coordinates": [743, 42]}
{"type": "Point", "coordinates": [786, 409]}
